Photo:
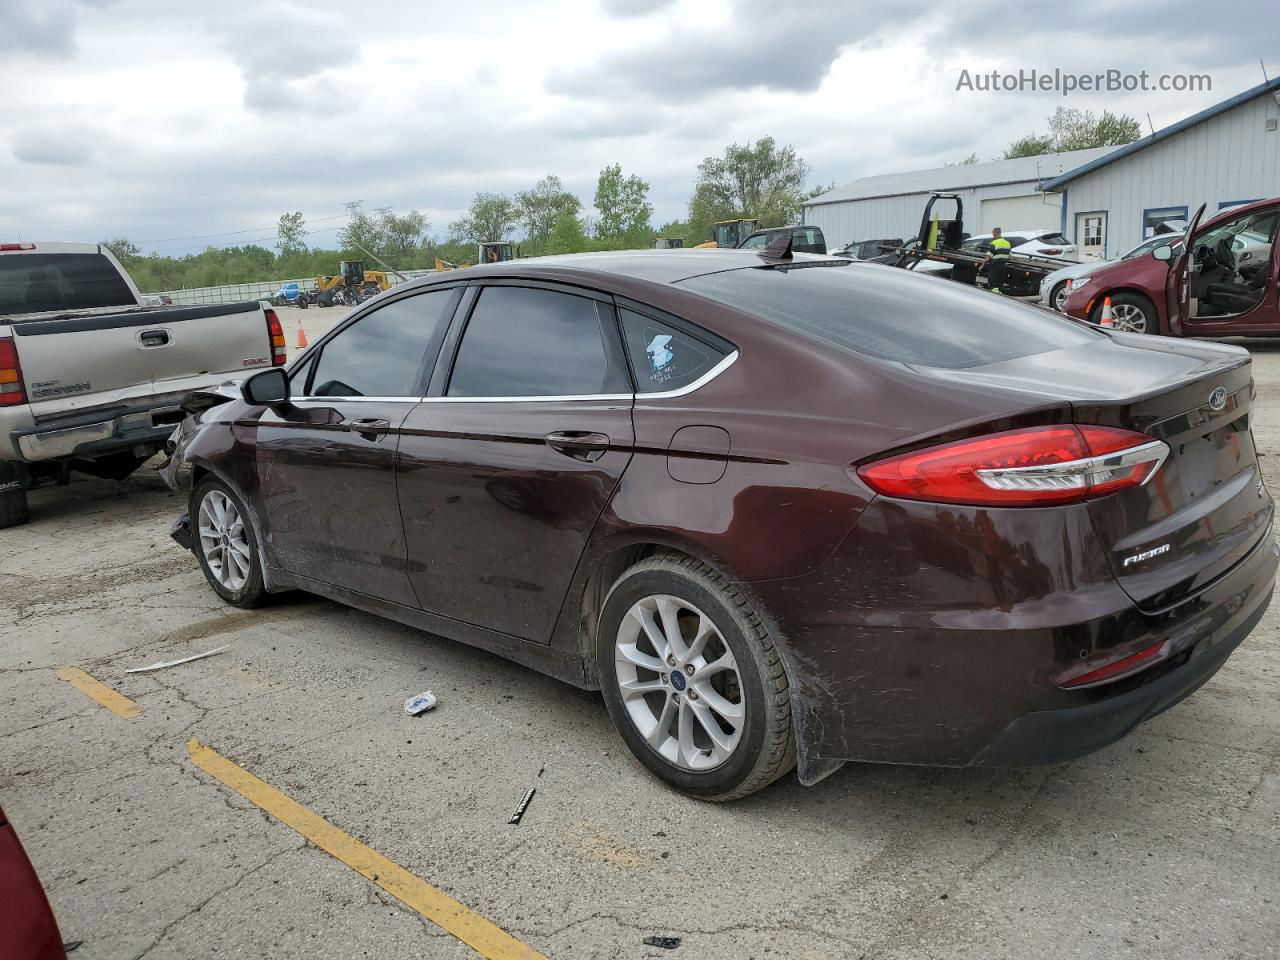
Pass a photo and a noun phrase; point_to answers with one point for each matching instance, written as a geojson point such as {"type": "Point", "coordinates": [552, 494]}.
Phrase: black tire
{"type": "Point", "coordinates": [1058, 288]}
{"type": "Point", "coordinates": [253, 593]}
{"type": "Point", "coordinates": [766, 748]}
{"type": "Point", "coordinates": [13, 508]}
{"type": "Point", "coordinates": [1150, 322]}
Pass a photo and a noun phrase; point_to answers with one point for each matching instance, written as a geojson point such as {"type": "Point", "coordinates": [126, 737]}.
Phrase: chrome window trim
{"type": "Point", "coordinates": [296, 400]}
{"type": "Point", "coordinates": [702, 381]}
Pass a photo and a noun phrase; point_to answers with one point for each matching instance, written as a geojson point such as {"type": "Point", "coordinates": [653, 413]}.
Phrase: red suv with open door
{"type": "Point", "coordinates": [1220, 284]}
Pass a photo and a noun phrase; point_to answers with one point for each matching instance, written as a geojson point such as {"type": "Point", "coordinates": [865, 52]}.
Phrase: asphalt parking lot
{"type": "Point", "coordinates": [1166, 845]}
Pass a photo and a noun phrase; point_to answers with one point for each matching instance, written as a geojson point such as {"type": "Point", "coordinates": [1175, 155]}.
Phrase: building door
{"type": "Point", "coordinates": [1091, 233]}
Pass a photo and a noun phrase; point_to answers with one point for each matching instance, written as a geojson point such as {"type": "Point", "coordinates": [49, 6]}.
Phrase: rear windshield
{"type": "Point", "coordinates": [36, 282]}
{"type": "Point", "coordinates": [893, 314]}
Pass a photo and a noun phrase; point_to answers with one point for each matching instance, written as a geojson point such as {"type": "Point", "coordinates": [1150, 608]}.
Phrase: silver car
{"type": "Point", "coordinates": [1054, 287]}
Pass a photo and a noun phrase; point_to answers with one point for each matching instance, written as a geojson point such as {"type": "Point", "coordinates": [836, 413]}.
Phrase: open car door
{"type": "Point", "coordinates": [1178, 285]}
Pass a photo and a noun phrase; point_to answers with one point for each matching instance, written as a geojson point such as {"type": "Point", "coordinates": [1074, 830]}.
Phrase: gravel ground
{"type": "Point", "coordinates": [1166, 845]}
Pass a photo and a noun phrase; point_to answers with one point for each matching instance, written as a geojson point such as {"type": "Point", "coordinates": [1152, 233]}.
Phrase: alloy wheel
{"type": "Point", "coordinates": [223, 540]}
{"type": "Point", "coordinates": [1128, 318]}
{"type": "Point", "coordinates": [679, 683]}
{"type": "Point", "coordinates": [1060, 297]}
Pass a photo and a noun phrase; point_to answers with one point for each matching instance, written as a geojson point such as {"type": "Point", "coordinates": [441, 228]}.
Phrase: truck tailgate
{"type": "Point", "coordinates": [76, 363]}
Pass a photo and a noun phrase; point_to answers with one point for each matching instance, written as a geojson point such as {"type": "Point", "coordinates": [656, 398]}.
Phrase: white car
{"type": "Point", "coordinates": [1028, 243]}
{"type": "Point", "coordinates": [1054, 288]}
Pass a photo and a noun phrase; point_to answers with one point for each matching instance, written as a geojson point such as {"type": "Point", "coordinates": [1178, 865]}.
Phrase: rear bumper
{"type": "Point", "coordinates": [148, 428]}
{"type": "Point", "coordinates": [1052, 736]}
{"type": "Point", "coordinates": [935, 636]}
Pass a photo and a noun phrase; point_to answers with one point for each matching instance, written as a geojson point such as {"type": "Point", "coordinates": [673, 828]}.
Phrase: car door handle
{"type": "Point", "coordinates": [154, 338]}
{"type": "Point", "coordinates": [371, 428]}
{"type": "Point", "coordinates": [579, 444]}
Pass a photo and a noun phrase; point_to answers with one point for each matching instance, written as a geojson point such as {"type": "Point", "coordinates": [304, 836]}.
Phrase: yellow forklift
{"type": "Point", "coordinates": [728, 233]}
{"type": "Point", "coordinates": [491, 251]}
{"type": "Point", "coordinates": [351, 285]}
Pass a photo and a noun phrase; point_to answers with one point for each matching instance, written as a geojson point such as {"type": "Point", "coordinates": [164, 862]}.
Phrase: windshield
{"type": "Point", "coordinates": [892, 314]}
{"type": "Point", "coordinates": [40, 282]}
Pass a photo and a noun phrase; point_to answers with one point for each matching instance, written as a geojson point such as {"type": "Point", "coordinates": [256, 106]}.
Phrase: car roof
{"type": "Point", "coordinates": [654, 266]}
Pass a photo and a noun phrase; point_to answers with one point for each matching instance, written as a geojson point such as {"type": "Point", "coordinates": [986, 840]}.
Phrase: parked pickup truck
{"type": "Point", "coordinates": [91, 378]}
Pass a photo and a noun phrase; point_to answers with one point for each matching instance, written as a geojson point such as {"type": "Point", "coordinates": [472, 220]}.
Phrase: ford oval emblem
{"type": "Point", "coordinates": [1218, 399]}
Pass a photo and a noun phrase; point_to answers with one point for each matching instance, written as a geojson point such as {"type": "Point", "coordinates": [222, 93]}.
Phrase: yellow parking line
{"type": "Point", "coordinates": [436, 905]}
{"type": "Point", "coordinates": [97, 690]}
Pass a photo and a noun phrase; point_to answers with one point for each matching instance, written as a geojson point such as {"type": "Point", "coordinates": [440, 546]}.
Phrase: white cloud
{"type": "Point", "coordinates": [167, 118]}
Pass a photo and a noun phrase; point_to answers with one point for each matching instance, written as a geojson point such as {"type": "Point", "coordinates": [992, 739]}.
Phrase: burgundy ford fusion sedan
{"type": "Point", "coordinates": [780, 511]}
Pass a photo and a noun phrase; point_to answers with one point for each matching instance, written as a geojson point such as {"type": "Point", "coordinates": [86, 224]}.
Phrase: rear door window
{"type": "Point", "coordinates": [892, 315]}
{"type": "Point", "coordinates": [526, 342]}
{"type": "Point", "coordinates": [663, 357]}
{"type": "Point", "coordinates": [384, 352]}
{"type": "Point", "coordinates": [39, 282]}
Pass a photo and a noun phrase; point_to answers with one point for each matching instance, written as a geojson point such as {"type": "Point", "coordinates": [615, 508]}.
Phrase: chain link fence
{"type": "Point", "coordinates": [265, 290]}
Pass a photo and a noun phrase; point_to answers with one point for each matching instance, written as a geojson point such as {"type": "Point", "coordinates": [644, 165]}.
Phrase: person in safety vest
{"type": "Point", "coordinates": [997, 260]}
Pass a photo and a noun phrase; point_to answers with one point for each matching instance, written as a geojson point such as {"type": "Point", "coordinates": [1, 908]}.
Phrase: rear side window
{"type": "Point", "coordinates": [524, 342]}
{"type": "Point", "coordinates": [663, 357]}
{"type": "Point", "coordinates": [807, 240]}
{"type": "Point", "coordinates": [892, 314]}
{"type": "Point", "coordinates": [382, 354]}
{"type": "Point", "coordinates": [37, 282]}
{"type": "Point", "coordinates": [1054, 239]}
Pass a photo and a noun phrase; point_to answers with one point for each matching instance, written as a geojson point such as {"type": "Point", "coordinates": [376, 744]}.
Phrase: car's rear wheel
{"type": "Point", "coordinates": [1132, 313]}
{"type": "Point", "coordinates": [693, 679]}
{"type": "Point", "coordinates": [225, 544]}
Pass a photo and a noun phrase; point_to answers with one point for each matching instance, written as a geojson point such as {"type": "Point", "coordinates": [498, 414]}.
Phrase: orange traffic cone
{"type": "Point", "coordinates": [1106, 320]}
{"type": "Point", "coordinates": [302, 336]}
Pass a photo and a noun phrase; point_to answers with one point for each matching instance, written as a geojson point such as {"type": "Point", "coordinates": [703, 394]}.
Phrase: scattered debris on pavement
{"type": "Point", "coordinates": [666, 943]}
{"type": "Point", "coordinates": [420, 704]}
{"type": "Point", "coordinates": [160, 665]}
{"type": "Point", "coordinates": [522, 805]}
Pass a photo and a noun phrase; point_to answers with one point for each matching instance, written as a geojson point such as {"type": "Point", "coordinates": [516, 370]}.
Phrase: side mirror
{"type": "Point", "coordinates": [1162, 252]}
{"type": "Point", "coordinates": [266, 388]}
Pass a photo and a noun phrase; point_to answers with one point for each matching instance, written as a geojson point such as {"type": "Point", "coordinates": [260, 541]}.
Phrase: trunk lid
{"type": "Point", "coordinates": [1206, 507]}
{"type": "Point", "coordinates": [82, 361]}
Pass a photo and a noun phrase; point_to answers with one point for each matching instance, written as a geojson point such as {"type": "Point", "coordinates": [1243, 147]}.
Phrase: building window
{"type": "Point", "coordinates": [1163, 220]}
{"type": "Point", "coordinates": [1093, 234]}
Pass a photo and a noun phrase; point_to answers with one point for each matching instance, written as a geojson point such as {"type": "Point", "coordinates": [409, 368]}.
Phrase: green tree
{"type": "Point", "coordinates": [760, 180]}
{"type": "Point", "coordinates": [361, 230]}
{"type": "Point", "coordinates": [542, 207]}
{"type": "Point", "coordinates": [1072, 129]}
{"type": "Point", "coordinates": [624, 206]}
{"type": "Point", "coordinates": [124, 249]}
{"type": "Point", "coordinates": [491, 216]}
{"type": "Point", "coordinates": [566, 235]}
{"type": "Point", "coordinates": [291, 233]}
{"type": "Point", "coordinates": [401, 235]}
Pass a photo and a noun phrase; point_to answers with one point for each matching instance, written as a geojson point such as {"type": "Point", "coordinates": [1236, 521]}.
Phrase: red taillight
{"type": "Point", "coordinates": [1117, 669]}
{"type": "Point", "coordinates": [12, 392]}
{"type": "Point", "coordinates": [1050, 251]}
{"type": "Point", "coordinates": [276, 332]}
{"type": "Point", "coordinates": [1021, 468]}
{"type": "Point", "coordinates": [17, 246]}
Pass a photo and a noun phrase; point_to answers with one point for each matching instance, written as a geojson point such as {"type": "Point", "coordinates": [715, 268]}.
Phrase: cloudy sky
{"type": "Point", "coordinates": [175, 122]}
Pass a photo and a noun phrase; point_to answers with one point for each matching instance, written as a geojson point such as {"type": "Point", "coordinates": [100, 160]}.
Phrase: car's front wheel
{"type": "Point", "coordinates": [693, 679]}
{"type": "Point", "coordinates": [1132, 313]}
{"type": "Point", "coordinates": [1058, 298]}
{"type": "Point", "coordinates": [225, 544]}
